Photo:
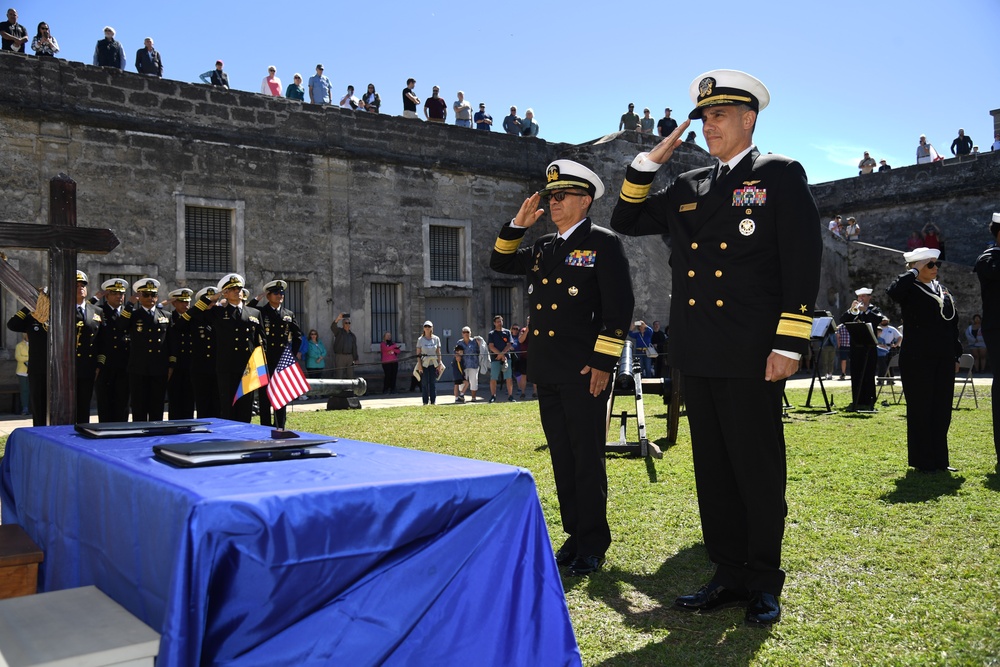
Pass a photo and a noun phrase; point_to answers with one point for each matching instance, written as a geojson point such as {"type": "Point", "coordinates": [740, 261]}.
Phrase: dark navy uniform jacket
{"type": "Point", "coordinates": [580, 299]}
{"type": "Point", "coordinates": [113, 353]}
{"type": "Point", "coordinates": [147, 334]}
{"type": "Point", "coordinates": [280, 328]}
{"type": "Point", "coordinates": [237, 332]}
{"type": "Point", "coordinates": [88, 339]}
{"type": "Point", "coordinates": [745, 261]}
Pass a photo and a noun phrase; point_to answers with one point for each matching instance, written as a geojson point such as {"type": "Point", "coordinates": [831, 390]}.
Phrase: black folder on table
{"type": "Point", "coordinates": [227, 452]}
{"type": "Point", "coordinates": [142, 429]}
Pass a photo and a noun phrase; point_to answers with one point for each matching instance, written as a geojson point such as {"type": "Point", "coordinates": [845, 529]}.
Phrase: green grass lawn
{"type": "Point", "coordinates": [885, 566]}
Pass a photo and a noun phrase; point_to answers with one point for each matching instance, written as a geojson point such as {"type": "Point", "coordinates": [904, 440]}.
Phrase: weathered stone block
{"type": "Point", "coordinates": [146, 100]}
{"type": "Point", "coordinates": [194, 92]}
{"type": "Point", "coordinates": [109, 93]}
{"type": "Point", "coordinates": [172, 104]}
{"type": "Point", "coordinates": [213, 111]}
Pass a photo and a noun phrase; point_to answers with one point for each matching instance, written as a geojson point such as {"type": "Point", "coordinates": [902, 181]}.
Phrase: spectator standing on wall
{"type": "Point", "coordinates": [320, 88]}
{"type": "Point", "coordinates": [996, 142]}
{"type": "Point", "coordinates": [834, 226]}
{"type": "Point", "coordinates": [410, 100]}
{"type": "Point", "coordinates": [216, 77]}
{"type": "Point", "coordinates": [666, 125]}
{"type": "Point", "coordinates": [349, 101]}
{"type": "Point", "coordinates": [109, 52]}
{"type": "Point", "coordinates": [370, 101]}
{"type": "Point", "coordinates": [529, 128]}
{"type": "Point", "coordinates": [883, 166]}
{"type": "Point", "coordinates": [271, 85]}
{"type": "Point", "coordinates": [925, 151]}
{"type": "Point", "coordinates": [853, 231]}
{"type": "Point", "coordinates": [147, 60]}
{"type": "Point", "coordinates": [44, 44]}
{"type": "Point", "coordinates": [435, 108]}
{"type": "Point", "coordinates": [962, 145]}
{"type": "Point", "coordinates": [483, 120]}
{"type": "Point", "coordinates": [646, 122]}
{"type": "Point", "coordinates": [463, 111]}
{"type": "Point", "coordinates": [867, 164]}
{"type": "Point", "coordinates": [12, 33]}
{"type": "Point", "coordinates": [295, 91]}
{"type": "Point", "coordinates": [511, 123]}
{"type": "Point", "coordinates": [629, 120]}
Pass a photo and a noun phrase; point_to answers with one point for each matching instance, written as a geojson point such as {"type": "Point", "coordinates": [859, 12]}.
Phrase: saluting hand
{"type": "Point", "coordinates": [529, 213]}
{"type": "Point", "coordinates": [663, 150]}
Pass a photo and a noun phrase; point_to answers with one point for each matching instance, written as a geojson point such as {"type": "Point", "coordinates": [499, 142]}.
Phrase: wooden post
{"type": "Point", "coordinates": [62, 320]}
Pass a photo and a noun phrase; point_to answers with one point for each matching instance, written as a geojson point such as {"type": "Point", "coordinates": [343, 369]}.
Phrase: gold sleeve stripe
{"type": "Point", "coordinates": [635, 193]}
{"type": "Point", "coordinates": [127, 314]}
{"type": "Point", "coordinates": [21, 314]}
{"type": "Point", "coordinates": [201, 305]}
{"type": "Point", "coordinates": [796, 316]}
{"type": "Point", "coordinates": [506, 246]}
{"type": "Point", "coordinates": [610, 346]}
{"type": "Point", "coordinates": [101, 358]}
{"type": "Point", "coordinates": [794, 329]}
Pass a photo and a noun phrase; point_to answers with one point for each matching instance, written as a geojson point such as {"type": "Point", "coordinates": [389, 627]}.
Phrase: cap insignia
{"type": "Point", "coordinates": [552, 173]}
{"type": "Point", "coordinates": [705, 87]}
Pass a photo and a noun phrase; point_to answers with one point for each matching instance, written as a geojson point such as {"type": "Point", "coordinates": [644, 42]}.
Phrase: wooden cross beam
{"type": "Point", "coordinates": [63, 240]}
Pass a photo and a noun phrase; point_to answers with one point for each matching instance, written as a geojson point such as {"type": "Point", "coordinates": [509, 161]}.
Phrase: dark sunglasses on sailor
{"type": "Point", "coordinates": [933, 265]}
{"type": "Point", "coordinates": [559, 195]}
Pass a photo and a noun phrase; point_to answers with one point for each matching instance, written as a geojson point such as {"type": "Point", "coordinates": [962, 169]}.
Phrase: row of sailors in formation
{"type": "Point", "coordinates": [135, 354]}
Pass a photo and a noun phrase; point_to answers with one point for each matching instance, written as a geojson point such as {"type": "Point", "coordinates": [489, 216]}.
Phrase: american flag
{"type": "Point", "coordinates": [287, 383]}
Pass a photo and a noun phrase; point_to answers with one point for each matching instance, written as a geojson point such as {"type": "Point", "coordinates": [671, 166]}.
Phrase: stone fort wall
{"type": "Point", "coordinates": [341, 200]}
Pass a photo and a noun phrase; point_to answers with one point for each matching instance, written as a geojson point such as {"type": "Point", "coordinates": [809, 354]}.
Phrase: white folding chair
{"type": "Point", "coordinates": [964, 377]}
{"type": "Point", "coordinates": [890, 379]}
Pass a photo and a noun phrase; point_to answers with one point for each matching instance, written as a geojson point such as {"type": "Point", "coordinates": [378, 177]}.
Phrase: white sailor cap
{"type": "Point", "coordinates": [563, 174]}
{"type": "Point", "coordinates": [182, 294]}
{"type": "Point", "coordinates": [81, 277]}
{"type": "Point", "coordinates": [727, 86]}
{"type": "Point", "coordinates": [114, 285]}
{"type": "Point", "coordinates": [146, 285]}
{"type": "Point", "coordinates": [920, 254]}
{"type": "Point", "coordinates": [231, 280]}
{"type": "Point", "coordinates": [276, 286]}
{"type": "Point", "coordinates": [211, 290]}
{"type": "Point", "coordinates": [863, 291]}
{"type": "Point", "coordinates": [996, 218]}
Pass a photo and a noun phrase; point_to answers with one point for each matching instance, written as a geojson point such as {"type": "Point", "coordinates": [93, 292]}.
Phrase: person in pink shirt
{"type": "Point", "coordinates": [390, 363]}
{"type": "Point", "coordinates": [271, 85]}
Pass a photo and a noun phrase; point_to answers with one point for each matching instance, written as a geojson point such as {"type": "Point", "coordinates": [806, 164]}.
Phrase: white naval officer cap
{"type": "Point", "coordinates": [563, 174]}
{"type": "Point", "coordinates": [81, 277]}
{"type": "Point", "coordinates": [726, 87]}
{"type": "Point", "coordinates": [211, 290]}
{"type": "Point", "coordinates": [920, 254]}
{"type": "Point", "coordinates": [146, 285]}
{"type": "Point", "coordinates": [114, 285]}
{"type": "Point", "coordinates": [182, 294]}
{"type": "Point", "coordinates": [231, 280]}
{"type": "Point", "coordinates": [277, 286]}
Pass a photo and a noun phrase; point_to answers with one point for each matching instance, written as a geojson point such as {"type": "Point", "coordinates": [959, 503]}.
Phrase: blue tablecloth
{"type": "Point", "coordinates": [378, 556]}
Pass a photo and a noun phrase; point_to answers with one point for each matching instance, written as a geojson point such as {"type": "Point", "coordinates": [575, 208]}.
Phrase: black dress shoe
{"type": "Point", "coordinates": [763, 609]}
{"type": "Point", "coordinates": [711, 597]}
{"type": "Point", "coordinates": [582, 565]}
{"type": "Point", "coordinates": [565, 557]}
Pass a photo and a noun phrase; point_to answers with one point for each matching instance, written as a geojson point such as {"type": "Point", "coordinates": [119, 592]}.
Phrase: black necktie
{"type": "Point", "coordinates": [723, 170]}
{"type": "Point", "coordinates": [555, 245]}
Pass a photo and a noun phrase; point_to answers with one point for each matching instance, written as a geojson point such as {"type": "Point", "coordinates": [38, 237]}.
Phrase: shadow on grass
{"type": "Point", "coordinates": [918, 487]}
{"type": "Point", "coordinates": [993, 481]}
{"type": "Point", "coordinates": [645, 603]}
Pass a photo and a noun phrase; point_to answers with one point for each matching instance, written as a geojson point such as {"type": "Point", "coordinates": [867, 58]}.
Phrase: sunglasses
{"type": "Point", "coordinates": [559, 195]}
{"type": "Point", "coordinates": [933, 265]}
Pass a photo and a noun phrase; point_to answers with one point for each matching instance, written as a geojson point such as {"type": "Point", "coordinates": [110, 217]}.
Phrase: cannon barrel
{"type": "Point", "coordinates": [337, 388]}
{"type": "Point", "coordinates": [624, 378]}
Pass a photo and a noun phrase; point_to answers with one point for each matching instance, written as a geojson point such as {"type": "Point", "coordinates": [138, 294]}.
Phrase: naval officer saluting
{"type": "Point", "coordinates": [745, 265]}
{"type": "Point", "coordinates": [580, 296]}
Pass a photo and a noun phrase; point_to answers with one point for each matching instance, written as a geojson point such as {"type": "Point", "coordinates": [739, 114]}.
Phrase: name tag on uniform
{"type": "Point", "coordinates": [688, 207]}
{"type": "Point", "coordinates": [584, 258]}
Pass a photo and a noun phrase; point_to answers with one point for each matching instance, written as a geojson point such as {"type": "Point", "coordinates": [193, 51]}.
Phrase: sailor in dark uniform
{"type": "Point", "coordinates": [864, 358]}
{"type": "Point", "coordinates": [204, 377]}
{"type": "Point", "coordinates": [147, 325]}
{"type": "Point", "coordinates": [988, 270]}
{"type": "Point", "coordinates": [180, 394]}
{"type": "Point", "coordinates": [24, 321]}
{"type": "Point", "coordinates": [745, 261]}
{"type": "Point", "coordinates": [580, 296]}
{"type": "Point", "coordinates": [89, 322]}
{"type": "Point", "coordinates": [238, 330]}
{"type": "Point", "coordinates": [280, 329]}
{"type": "Point", "coordinates": [112, 360]}
{"type": "Point", "coordinates": [927, 358]}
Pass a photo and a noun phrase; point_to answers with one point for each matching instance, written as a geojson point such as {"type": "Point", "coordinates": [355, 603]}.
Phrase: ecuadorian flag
{"type": "Point", "coordinates": [254, 376]}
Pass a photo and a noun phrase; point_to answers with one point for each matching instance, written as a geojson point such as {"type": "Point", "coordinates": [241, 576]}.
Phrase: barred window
{"type": "Point", "coordinates": [445, 253]}
{"type": "Point", "coordinates": [384, 311]}
{"type": "Point", "coordinates": [295, 300]}
{"type": "Point", "coordinates": [208, 239]}
{"type": "Point", "coordinates": [501, 299]}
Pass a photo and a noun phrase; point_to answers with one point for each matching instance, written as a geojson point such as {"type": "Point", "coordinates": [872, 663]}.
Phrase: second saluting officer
{"type": "Point", "coordinates": [280, 329]}
{"type": "Point", "coordinates": [580, 296]}
{"type": "Point", "coordinates": [745, 262]}
{"type": "Point", "coordinates": [180, 393]}
{"type": "Point", "coordinates": [238, 331]}
{"type": "Point", "coordinates": [88, 341]}
{"type": "Point", "coordinates": [147, 325]}
{"type": "Point", "coordinates": [112, 381]}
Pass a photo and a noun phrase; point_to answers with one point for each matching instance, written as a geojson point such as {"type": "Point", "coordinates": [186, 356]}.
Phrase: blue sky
{"type": "Point", "coordinates": [844, 77]}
